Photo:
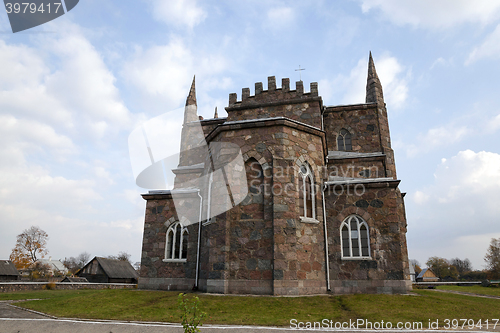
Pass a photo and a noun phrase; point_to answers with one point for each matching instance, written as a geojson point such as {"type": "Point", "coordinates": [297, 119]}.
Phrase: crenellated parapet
{"type": "Point", "coordinates": [272, 94]}
{"type": "Point", "coordinates": [277, 102]}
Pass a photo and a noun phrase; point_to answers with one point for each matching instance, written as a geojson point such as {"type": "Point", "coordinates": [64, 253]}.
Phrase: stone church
{"type": "Point", "coordinates": [285, 196]}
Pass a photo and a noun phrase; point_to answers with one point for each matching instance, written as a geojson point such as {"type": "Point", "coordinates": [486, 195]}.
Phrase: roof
{"type": "Point", "coordinates": [117, 269]}
{"type": "Point", "coordinates": [7, 267]}
{"type": "Point", "coordinates": [54, 264]}
{"type": "Point", "coordinates": [421, 275]}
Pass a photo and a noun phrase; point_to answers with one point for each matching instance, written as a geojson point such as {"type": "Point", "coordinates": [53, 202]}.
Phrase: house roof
{"type": "Point", "coordinates": [117, 269]}
{"type": "Point", "coordinates": [54, 264]}
{"type": "Point", "coordinates": [7, 267]}
{"type": "Point", "coordinates": [422, 273]}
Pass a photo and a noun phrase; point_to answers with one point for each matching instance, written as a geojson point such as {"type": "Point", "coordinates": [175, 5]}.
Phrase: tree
{"type": "Point", "coordinates": [30, 246]}
{"type": "Point", "coordinates": [123, 256]}
{"type": "Point", "coordinates": [76, 263]}
{"type": "Point", "coordinates": [442, 268]}
{"type": "Point", "coordinates": [492, 257]}
{"type": "Point", "coordinates": [462, 266]}
{"type": "Point", "coordinates": [416, 266]}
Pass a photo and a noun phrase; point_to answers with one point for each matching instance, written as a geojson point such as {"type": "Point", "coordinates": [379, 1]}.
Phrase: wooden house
{"type": "Point", "coordinates": [8, 271]}
{"type": "Point", "coordinates": [426, 275]}
{"type": "Point", "coordinates": [104, 270]}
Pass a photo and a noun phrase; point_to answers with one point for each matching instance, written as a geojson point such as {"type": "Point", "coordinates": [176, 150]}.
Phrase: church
{"type": "Point", "coordinates": [284, 196]}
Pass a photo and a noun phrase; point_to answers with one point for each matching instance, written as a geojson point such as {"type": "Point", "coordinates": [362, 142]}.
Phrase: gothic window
{"type": "Point", "coordinates": [306, 193]}
{"type": "Point", "coordinates": [355, 239]}
{"type": "Point", "coordinates": [344, 141]}
{"type": "Point", "coordinates": [177, 241]}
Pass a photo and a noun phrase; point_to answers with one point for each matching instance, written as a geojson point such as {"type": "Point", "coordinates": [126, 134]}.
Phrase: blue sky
{"type": "Point", "coordinates": [72, 90]}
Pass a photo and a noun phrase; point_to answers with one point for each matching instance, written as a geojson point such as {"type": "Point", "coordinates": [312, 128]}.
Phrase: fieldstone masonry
{"type": "Point", "coordinates": [262, 245]}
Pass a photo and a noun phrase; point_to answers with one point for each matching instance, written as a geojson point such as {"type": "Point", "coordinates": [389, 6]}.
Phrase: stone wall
{"type": "Point", "coordinates": [387, 270]}
{"type": "Point", "coordinates": [360, 120]}
{"type": "Point", "coordinates": [155, 272]}
{"type": "Point", "coordinates": [8, 287]}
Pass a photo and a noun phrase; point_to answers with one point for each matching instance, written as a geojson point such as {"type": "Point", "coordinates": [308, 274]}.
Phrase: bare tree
{"type": "Point", "coordinates": [123, 256]}
{"type": "Point", "coordinates": [462, 266]}
{"type": "Point", "coordinates": [76, 263]}
{"type": "Point", "coordinates": [492, 257]}
{"type": "Point", "coordinates": [31, 245]}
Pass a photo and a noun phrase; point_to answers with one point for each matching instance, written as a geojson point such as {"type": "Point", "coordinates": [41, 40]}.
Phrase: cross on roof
{"type": "Point", "coordinates": [300, 72]}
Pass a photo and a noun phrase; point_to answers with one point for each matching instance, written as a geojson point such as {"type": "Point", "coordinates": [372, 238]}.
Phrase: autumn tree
{"type": "Point", "coordinates": [492, 257]}
{"type": "Point", "coordinates": [31, 245]}
{"type": "Point", "coordinates": [416, 266]}
{"type": "Point", "coordinates": [442, 268]}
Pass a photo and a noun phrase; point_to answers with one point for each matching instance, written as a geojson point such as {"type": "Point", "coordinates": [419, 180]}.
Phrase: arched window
{"type": "Point", "coordinates": [306, 193]}
{"type": "Point", "coordinates": [355, 239]}
{"type": "Point", "coordinates": [177, 241]}
{"type": "Point", "coordinates": [344, 140]}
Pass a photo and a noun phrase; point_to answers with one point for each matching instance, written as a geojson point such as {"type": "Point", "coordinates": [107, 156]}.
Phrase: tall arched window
{"type": "Point", "coordinates": [177, 242]}
{"type": "Point", "coordinates": [344, 140]}
{"type": "Point", "coordinates": [355, 238]}
{"type": "Point", "coordinates": [306, 193]}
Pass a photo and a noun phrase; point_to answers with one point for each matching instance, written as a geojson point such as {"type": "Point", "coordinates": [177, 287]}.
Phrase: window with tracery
{"type": "Point", "coordinates": [306, 193]}
{"type": "Point", "coordinates": [177, 243]}
{"type": "Point", "coordinates": [344, 140]}
{"type": "Point", "coordinates": [355, 238]}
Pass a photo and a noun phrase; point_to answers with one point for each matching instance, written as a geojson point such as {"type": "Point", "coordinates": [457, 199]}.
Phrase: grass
{"type": "Point", "coordinates": [492, 291]}
{"type": "Point", "coordinates": [140, 305]}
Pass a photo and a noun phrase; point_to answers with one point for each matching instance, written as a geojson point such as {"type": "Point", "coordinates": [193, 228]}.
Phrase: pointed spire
{"type": "Point", "coordinates": [374, 93]}
{"type": "Point", "coordinates": [191, 99]}
{"type": "Point", "coordinates": [190, 113]}
{"type": "Point", "coordinates": [216, 115]}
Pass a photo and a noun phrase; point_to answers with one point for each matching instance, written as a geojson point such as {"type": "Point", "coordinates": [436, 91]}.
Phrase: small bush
{"type": "Point", "coordinates": [50, 286]}
{"type": "Point", "coordinates": [191, 313]}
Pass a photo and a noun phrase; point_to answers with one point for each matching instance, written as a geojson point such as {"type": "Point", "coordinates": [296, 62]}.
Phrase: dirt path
{"type": "Point", "coordinates": [465, 293]}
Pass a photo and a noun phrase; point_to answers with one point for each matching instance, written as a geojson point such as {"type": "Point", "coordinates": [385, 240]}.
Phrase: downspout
{"type": "Point", "coordinates": [327, 260]}
{"type": "Point", "coordinates": [199, 241]}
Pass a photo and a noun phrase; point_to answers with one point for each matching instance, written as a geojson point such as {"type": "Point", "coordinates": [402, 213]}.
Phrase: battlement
{"type": "Point", "coordinates": [272, 94]}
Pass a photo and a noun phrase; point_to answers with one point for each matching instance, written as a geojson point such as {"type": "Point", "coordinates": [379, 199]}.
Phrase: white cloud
{"type": "Point", "coordinates": [460, 209]}
{"type": "Point", "coordinates": [163, 73]}
{"type": "Point", "coordinates": [437, 137]}
{"type": "Point", "coordinates": [280, 18]}
{"type": "Point", "coordinates": [85, 85]}
{"type": "Point", "coordinates": [435, 14]}
{"type": "Point", "coordinates": [490, 48]}
{"type": "Point", "coordinates": [420, 197]}
{"type": "Point", "coordinates": [182, 13]}
{"type": "Point", "coordinates": [162, 70]}
{"type": "Point", "coordinates": [58, 106]}
{"type": "Point", "coordinates": [393, 77]}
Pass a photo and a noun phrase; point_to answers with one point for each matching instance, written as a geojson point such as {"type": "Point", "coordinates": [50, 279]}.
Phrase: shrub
{"type": "Point", "coordinates": [191, 314]}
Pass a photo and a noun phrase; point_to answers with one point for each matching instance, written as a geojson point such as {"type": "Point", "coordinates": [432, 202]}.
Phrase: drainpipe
{"type": "Point", "coordinates": [199, 241]}
{"type": "Point", "coordinates": [327, 260]}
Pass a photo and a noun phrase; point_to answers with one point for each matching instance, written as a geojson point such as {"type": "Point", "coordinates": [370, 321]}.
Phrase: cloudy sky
{"type": "Point", "coordinates": [72, 91]}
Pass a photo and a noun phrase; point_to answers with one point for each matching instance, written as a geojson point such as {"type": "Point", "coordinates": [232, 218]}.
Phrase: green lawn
{"type": "Point", "coordinates": [140, 305]}
{"type": "Point", "coordinates": [474, 289]}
